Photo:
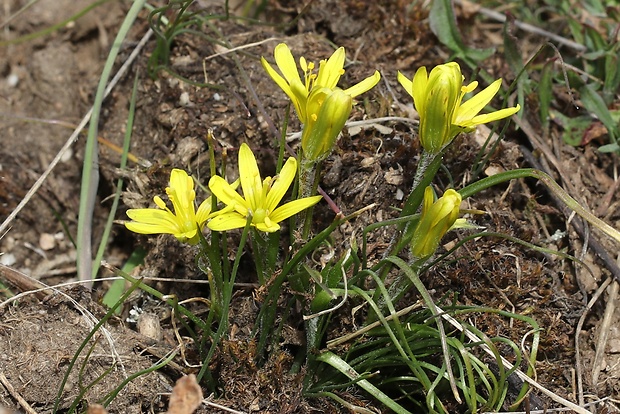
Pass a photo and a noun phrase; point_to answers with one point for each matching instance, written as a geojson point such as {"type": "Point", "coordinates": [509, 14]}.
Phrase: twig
{"type": "Point", "coordinates": [16, 395]}
{"type": "Point", "coordinates": [221, 407]}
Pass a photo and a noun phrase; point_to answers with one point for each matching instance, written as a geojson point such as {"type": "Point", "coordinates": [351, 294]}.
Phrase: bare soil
{"type": "Point", "coordinates": [52, 79]}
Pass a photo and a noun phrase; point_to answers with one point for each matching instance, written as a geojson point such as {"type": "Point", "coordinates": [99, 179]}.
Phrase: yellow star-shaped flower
{"type": "Point", "coordinates": [260, 197]}
{"type": "Point", "coordinates": [184, 223]}
{"type": "Point", "coordinates": [329, 74]}
{"type": "Point", "coordinates": [438, 99]}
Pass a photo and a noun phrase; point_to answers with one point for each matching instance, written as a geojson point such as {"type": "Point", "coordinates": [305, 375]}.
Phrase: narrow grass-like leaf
{"type": "Point", "coordinates": [545, 93]}
{"type": "Point", "coordinates": [119, 185]}
{"type": "Point", "coordinates": [551, 185]}
{"type": "Point", "coordinates": [90, 171]}
{"type": "Point", "coordinates": [443, 25]}
{"type": "Point", "coordinates": [338, 363]}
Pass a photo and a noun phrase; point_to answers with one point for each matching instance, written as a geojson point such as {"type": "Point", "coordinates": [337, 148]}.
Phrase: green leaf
{"type": "Point", "coordinates": [574, 128]}
{"type": "Point", "coordinates": [610, 148]}
{"type": "Point", "coordinates": [545, 92]}
{"type": "Point", "coordinates": [595, 104]}
{"type": "Point", "coordinates": [443, 25]}
{"type": "Point", "coordinates": [117, 288]}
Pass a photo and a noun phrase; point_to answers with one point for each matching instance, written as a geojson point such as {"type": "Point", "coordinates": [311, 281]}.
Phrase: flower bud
{"type": "Point", "coordinates": [437, 217]}
{"type": "Point", "coordinates": [328, 110]}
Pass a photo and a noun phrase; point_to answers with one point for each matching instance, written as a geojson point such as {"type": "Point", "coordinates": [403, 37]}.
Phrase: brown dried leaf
{"type": "Point", "coordinates": [186, 396]}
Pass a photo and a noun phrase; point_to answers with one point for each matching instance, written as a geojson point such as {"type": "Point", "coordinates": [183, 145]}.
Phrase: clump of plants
{"type": "Point", "coordinates": [405, 358]}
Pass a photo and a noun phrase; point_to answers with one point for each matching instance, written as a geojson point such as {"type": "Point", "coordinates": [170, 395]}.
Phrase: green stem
{"type": "Point", "coordinates": [227, 296]}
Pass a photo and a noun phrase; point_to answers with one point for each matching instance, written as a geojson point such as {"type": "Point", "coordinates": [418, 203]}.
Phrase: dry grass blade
{"type": "Point", "coordinates": [604, 329]}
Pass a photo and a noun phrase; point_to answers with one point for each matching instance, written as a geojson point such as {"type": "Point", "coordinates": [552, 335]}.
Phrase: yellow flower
{"type": "Point", "coordinates": [436, 219]}
{"type": "Point", "coordinates": [438, 99]}
{"type": "Point", "coordinates": [184, 223]}
{"type": "Point", "coordinates": [329, 74]}
{"type": "Point", "coordinates": [260, 197]}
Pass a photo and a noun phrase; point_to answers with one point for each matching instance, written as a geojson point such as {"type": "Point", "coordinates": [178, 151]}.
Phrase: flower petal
{"type": "Point", "coordinates": [152, 216]}
{"type": "Point", "coordinates": [419, 89]}
{"type": "Point", "coordinates": [181, 191]}
{"type": "Point", "coordinates": [225, 193]}
{"type": "Point", "coordinates": [144, 228]}
{"type": "Point", "coordinates": [295, 90]}
{"type": "Point", "coordinates": [406, 83]}
{"type": "Point", "coordinates": [152, 221]}
{"type": "Point", "coordinates": [268, 226]}
{"type": "Point", "coordinates": [289, 209]}
{"type": "Point", "coordinates": [227, 221]}
{"type": "Point", "coordinates": [331, 70]}
{"type": "Point", "coordinates": [203, 212]}
{"type": "Point", "coordinates": [281, 184]}
{"type": "Point", "coordinates": [286, 63]}
{"type": "Point", "coordinates": [249, 175]}
{"type": "Point", "coordinates": [470, 109]}
{"type": "Point", "coordinates": [364, 86]}
{"type": "Point", "coordinates": [493, 116]}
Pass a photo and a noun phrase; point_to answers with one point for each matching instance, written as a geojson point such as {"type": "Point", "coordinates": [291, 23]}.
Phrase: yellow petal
{"type": "Point", "coordinates": [429, 199]}
{"type": "Point", "coordinates": [227, 221]}
{"type": "Point", "coordinates": [365, 85]}
{"type": "Point", "coordinates": [152, 221]}
{"type": "Point", "coordinates": [144, 228]}
{"type": "Point", "coordinates": [227, 194]}
{"type": "Point", "coordinates": [286, 63]}
{"type": "Point", "coordinates": [181, 193]}
{"type": "Point", "coordinates": [268, 226]}
{"type": "Point", "coordinates": [289, 209]}
{"type": "Point", "coordinates": [406, 83]}
{"type": "Point", "coordinates": [249, 175]}
{"type": "Point", "coordinates": [330, 71]}
{"type": "Point", "coordinates": [470, 109]}
{"type": "Point", "coordinates": [318, 140]}
{"type": "Point", "coordinates": [493, 116]}
{"type": "Point", "coordinates": [419, 89]}
{"type": "Point", "coordinates": [282, 83]}
{"type": "Point", "coordinates": [281, 184]}
{"type": "Point", "coordinates": [203, 212]}
{"type": "Point", "coordinates": [295, 90]}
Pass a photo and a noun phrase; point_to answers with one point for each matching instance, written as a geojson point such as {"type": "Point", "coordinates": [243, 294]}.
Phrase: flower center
{"type": "Point", "coordinates": [259, 215]}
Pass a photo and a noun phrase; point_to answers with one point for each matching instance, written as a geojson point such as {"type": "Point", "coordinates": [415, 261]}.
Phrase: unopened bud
{"type": "Point", "coordinates": [436, 219]}
{"type": "Point", "coordinates": [328, 111]}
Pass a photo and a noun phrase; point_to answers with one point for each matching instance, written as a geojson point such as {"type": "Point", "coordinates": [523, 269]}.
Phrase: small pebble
{"type": "Point", "coordinates": [47, 241]}
{"type": "Point", "coordinates": [12, 80]}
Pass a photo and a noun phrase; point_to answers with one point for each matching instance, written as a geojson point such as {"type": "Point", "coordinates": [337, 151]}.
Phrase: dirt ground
{"type": "Point", "coordinates": [51, 80]}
